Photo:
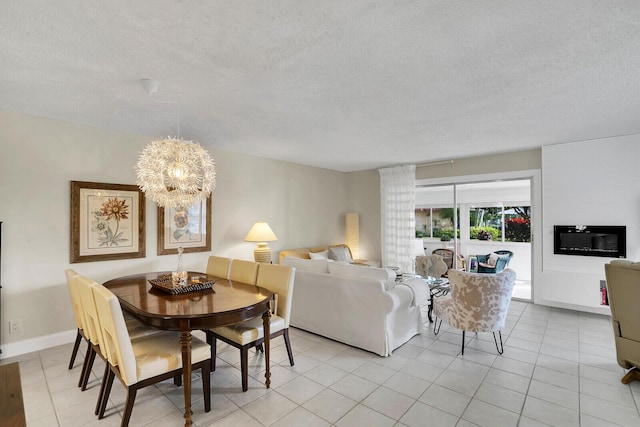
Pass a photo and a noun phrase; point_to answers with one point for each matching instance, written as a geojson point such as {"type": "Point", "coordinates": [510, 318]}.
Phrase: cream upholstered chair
{"type": "Point", "coordinates": [623, 289]}
{"type": "Point", "coordinates": [142, 361]}
{"type": "Point", "coordinates": [91, 328]}
{"type": "Point", "coordinates": [477, 302]}
{"type": "Point", "coordinates": [77, 313]}
{"type": "Point", "coordinates": [430, 265]}
{"type": "Point", "coordinates": [244, 335]}
{"type": "Point", "coordinates": [218, 266]}
{"type": "Point", "coordinates": [243, 271]}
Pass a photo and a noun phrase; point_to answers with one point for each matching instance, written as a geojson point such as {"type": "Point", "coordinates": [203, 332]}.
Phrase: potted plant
{"type": "Point", "coordinates": [484, 235]}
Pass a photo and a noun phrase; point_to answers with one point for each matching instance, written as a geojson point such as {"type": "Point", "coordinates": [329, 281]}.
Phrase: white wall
{"type": "Point", "coordinates": [38, 157]}
{"type": "Point", "coordinates": [587, 183]}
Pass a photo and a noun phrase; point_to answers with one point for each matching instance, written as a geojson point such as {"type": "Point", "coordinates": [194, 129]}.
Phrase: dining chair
{"type": "Point", "coordinates": [147, 360]}
{"type": "Point", "coordinates": [218, 266]}
{"type": "Point", "coordinates": [243, 271]}
{"type": "Point", "coordinates": [93, 331]}
{"type": "Point", "coordinates": [77, 313]}
{"type": "Point", "coordinates": [477, 302]}
{"type": "Point", "coordinates": [250, 333]}
{"type": "Point", "coordinates": [91, 328]}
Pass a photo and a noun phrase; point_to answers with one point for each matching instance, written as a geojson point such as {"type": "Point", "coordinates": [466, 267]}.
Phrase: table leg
{"type": "Point", "coordinates": [266, 325]}
{"type": "Point", "coordinates": [185, 346]}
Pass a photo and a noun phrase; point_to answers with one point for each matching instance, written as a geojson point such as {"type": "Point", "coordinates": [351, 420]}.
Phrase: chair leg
{"type": "Point", "coordinates": [87, 373]}
{"type": "Point", "coordinates": [213, 343]}
{"type": "Point", "coordinates": [105, 377]}
{"type": "Point", "coordinates": [128, 408]}
{"type": "Point", "coordinates": [463, 343]}
{"type": "Point", "coordinates": [631, 375]}
{"type": "Point", "coordinates": [87, 355]}
{"type": "Point", "coordinates": [177, 379]}
{"type": "Point", "coordinates": [436, 326]}
{"type": "Point", "coordinates": [501, 348]}
{"type": "Point", "coordinates": [244, 367]}
{"type": "Point", "coordinates": [107, 391]}
{"type": "Point", "coordinates": [206, 386]}
{"type": "Point", "coordinates": [287, 343]}
{"type": "Point", "coordinates": [76, 346]}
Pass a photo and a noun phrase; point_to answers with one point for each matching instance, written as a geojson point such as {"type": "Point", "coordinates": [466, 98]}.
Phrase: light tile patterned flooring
{"type": "Point", "coordinates": [559, 368]}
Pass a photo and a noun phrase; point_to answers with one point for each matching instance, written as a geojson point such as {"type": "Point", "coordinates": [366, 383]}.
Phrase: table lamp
{"type": "Point", "coordinates": [261, 233]}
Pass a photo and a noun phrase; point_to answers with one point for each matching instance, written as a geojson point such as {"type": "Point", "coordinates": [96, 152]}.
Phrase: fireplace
{"type": "Point", "coordinates": [590, 240]}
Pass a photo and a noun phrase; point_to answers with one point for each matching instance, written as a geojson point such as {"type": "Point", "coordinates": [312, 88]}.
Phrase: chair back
{"type": "Point", "coordinates": [243, 271]}
{"type": "Point", "coordinates": [91, 320]}
{"type": "Point", "coordinates": [76, 305]}
{"type": "Point", "coordinates": [430, 265]}
{"type": "Point", "coordinates": [279, 280]}
{"type": "Point", "coordinates": [481, 301]}
{"type": "Point", "coordinates": [218, 266]}
{"type": "Point", "coordinates": [623, 289]}
{"type": "Point", "coordinates": [117, 342]}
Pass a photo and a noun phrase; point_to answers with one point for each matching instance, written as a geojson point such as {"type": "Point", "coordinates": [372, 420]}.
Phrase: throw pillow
{"type": "Point", "coordinates": [493, 259]}
{"type": "Point", "coordinates": [339, 253]}
{"type": "Point", "coordinates": [319, 255]}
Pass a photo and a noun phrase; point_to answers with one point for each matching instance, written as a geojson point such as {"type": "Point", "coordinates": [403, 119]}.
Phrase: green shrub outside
{"type": "Point", "coordinates": [473, 232]}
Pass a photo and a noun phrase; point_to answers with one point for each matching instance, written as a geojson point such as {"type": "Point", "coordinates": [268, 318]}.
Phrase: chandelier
{"type": "Point", "coordinates": [176, 173]}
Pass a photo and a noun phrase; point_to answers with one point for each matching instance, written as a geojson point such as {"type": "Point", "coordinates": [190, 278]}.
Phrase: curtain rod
{"type": "Point", "coordinates": [444, 162]}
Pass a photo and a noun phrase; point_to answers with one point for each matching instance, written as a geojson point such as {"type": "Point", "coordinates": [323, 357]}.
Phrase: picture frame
{"type": "Point", "coordinates": [107, 222]}
{"type": "Point", "coordinates": [188, 228]}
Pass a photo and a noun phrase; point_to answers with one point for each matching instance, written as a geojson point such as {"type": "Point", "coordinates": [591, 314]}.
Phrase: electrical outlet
{"type": "Point", "coordinates": [15, 326]}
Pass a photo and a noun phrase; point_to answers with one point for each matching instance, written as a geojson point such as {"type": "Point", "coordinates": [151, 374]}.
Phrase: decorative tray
{"type": "Point", "coordinates": [165, 284]}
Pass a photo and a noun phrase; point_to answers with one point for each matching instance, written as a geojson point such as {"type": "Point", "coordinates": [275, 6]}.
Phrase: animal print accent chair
{"type": "Point", "coordinates": [477, 302]}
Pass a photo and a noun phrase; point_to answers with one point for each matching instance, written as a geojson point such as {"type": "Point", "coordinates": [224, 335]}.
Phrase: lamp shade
{"type": "Point", "coordinates": [260, 232]}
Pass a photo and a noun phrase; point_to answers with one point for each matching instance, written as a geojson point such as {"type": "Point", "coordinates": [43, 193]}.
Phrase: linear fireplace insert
{"type": "Point", "coordinates": [590, 240]}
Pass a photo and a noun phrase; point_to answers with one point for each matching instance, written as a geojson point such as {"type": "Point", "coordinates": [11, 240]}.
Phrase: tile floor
{"type": "Point", "coordinates": [558, 368]}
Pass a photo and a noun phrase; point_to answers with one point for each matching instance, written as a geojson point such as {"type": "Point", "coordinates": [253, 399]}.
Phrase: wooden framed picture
{"type": "Point", "coordinates": [107, 222]}
{"type": "Point", "coordinates": [189, 228]}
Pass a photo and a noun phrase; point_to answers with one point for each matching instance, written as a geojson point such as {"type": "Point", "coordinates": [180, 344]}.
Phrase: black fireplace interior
{"type": "Point", "coordinates": [590, 240]}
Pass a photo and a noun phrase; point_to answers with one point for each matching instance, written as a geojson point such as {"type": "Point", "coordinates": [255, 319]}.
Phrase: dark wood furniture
{"type": "Point", "coordinates": [0, 285]}
{"type": "Point", "coordinates": [227, 303]}
{"type": "Point", "coordinates": [11, 403]}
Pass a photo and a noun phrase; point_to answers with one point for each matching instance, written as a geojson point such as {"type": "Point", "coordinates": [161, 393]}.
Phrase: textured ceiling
{"type": "Point", "coordinates": [344, 85]}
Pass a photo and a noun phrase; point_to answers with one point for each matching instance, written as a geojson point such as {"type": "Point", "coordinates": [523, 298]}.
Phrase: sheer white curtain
{"type": "Point", "coordinates": [398, 200]}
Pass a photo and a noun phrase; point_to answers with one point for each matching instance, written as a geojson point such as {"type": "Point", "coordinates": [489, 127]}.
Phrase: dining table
{"type": "Point", "coordinates": [225, 302]}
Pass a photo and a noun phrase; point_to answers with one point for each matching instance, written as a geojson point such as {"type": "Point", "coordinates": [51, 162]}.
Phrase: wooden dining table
{"type": "Point", "coordinates": [225, 303]}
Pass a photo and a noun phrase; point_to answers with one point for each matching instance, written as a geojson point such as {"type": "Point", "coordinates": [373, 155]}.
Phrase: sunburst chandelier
{"type": "Point", "coordinates": [176, 173]}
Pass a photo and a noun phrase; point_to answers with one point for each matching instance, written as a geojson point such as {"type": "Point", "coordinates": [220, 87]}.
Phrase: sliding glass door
{"type": "Point", "coordinates": [477, 219]}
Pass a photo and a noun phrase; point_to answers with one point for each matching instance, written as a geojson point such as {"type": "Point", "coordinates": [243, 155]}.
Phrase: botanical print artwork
{"type": "Point", "coordinates": [187, 224]}
{"type": "Point", "coordinates": [107, 222]}
{"type": "Point", "coordinates": [185, 227]}
{"type": "Point", "coordinates": [113, 209]}
{"type": "Point", "coordinates": [110, 221]}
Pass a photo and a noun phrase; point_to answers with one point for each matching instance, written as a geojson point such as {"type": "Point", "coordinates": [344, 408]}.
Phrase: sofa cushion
{"type": "Point", "coordinates": [319, 255]}
{"type": "Point", "coordinates": [310, 265]}
{"type": "Point", "coordinates": [349, 270]}
{"type": "Point", "coordinates": [339, 253]}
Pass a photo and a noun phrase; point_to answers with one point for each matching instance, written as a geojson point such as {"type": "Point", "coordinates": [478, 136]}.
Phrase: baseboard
{"type": "Point", "coordinates": [36, 344]}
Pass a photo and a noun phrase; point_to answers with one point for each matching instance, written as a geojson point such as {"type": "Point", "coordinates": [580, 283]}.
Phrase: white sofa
{"type": "Point", "coordinates": [357, 305]}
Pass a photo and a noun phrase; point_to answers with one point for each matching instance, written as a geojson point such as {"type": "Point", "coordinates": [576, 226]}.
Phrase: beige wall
{"type": "Point", "coordinates": [38, 158]}
{"type": "Point", "coordinates": [495, 163]}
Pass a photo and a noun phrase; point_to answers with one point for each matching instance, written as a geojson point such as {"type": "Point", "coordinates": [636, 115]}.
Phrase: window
{"type": "Point", "coordinates": [505, 224]}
